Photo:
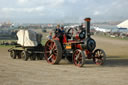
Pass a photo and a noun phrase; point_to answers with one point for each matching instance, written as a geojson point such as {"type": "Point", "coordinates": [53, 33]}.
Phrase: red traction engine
{"type": "Point", "coordinates": [76, 50]}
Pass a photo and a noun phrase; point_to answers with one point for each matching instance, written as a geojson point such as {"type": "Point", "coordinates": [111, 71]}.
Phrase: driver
{"type": "Point", "coordinates": [62, 29]}
{"type": "Point", "coordinates": [59, 31]}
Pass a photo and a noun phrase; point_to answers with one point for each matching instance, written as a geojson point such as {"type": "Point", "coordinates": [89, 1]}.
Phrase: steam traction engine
{"type": "Point", "coordinates": [76, 50]}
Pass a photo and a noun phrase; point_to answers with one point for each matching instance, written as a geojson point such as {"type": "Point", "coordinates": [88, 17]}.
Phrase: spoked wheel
{"type": "Point", "coordinates": [24, 55]}
{"type": "Point", "coordinates": [53, 51]}
{"type": "Point", "coordinates": [99, 57]}
{"type": "Point", "coordinates": [79, 58]}
{"type": "Point", "coordinates": [13, 54]}
{"type": "Point", "coordinates": [33, 57]}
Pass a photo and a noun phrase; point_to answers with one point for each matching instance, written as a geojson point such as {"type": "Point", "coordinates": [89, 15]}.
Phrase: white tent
{"type": "Point", "coordinates": [28, 38]}
{"type": "Point", "coordinates": [123, 24]}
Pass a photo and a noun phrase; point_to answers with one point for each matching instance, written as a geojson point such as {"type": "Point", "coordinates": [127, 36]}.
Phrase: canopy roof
{"type": "Point", "coordinates": [28, 38]}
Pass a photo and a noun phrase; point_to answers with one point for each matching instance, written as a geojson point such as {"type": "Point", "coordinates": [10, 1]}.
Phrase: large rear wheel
{"type": "Point", "coordinates": [99, 57]}
{"type": "Point", "coordinates": [53, 51]}
{"type": "Point", "coordinates": [79, 58]}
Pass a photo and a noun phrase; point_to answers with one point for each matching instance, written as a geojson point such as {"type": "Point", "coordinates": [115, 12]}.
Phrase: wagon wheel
{"type": "Point", "coordinates": [78, 58]}
{"type": "Point", "coordinates": [53, 51]}
{"type": "Point", "coordinates": [13, 54]}
{"type": "Point", "coordinates": [33, 57]}
{"type": "Point", "coordinates": [24, 55]}
{"type": "Point", "coordinates": [99, 57]}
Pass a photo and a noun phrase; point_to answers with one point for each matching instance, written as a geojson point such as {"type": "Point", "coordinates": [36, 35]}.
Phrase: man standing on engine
{"type": "Point", "coordinates": [57, 31]}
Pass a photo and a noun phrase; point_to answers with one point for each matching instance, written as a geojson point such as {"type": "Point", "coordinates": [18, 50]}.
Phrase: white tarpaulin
{"type": "Point", "coordinates": [123, 24]}
{"type": "Point", "coordinates": [27, 38]}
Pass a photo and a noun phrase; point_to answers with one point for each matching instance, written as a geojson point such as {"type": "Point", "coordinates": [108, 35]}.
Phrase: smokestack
{"type": "Point", "coordinates": [87, 22]}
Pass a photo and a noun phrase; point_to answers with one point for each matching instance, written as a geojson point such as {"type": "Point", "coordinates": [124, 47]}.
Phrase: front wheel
{"type": "Point", "coordinates": [79, 58]}
{"type": "Point", "coordinates": [99, 57]}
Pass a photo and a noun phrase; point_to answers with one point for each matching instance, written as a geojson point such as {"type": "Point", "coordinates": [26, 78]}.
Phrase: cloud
{"type": "Point", "coordinates": [52, 3]}
{"type": "Point", "coordinates": [72, 1]}
{"type": "Point", "coordinates": [96, 13]}
{"type": "Point", "coordinates": [29, 10]}
{"type": "Point", "coordinates": [66, 10]}
{"type": "Point", "coordinates": [48, 3]}
{"type": "Point", "coordinates": [57, 2]}
{"type": "Point", "coordinates": [22, 1]}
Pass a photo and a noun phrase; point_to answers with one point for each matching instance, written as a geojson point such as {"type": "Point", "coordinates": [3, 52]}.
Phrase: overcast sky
{"type": "Point", "coordinates": [44, 11]}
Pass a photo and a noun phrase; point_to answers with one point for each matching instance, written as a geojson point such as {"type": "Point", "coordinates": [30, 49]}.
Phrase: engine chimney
{"type": "Point", "coordinates": [87, 23]}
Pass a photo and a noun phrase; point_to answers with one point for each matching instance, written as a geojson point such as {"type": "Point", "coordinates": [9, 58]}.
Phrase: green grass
{"type": "Point", "coordinates": [43, 42]}
{"type": "Point", "coordinates": [7, 41]}
{"type": "Point", "coordinates": [6, 46]}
